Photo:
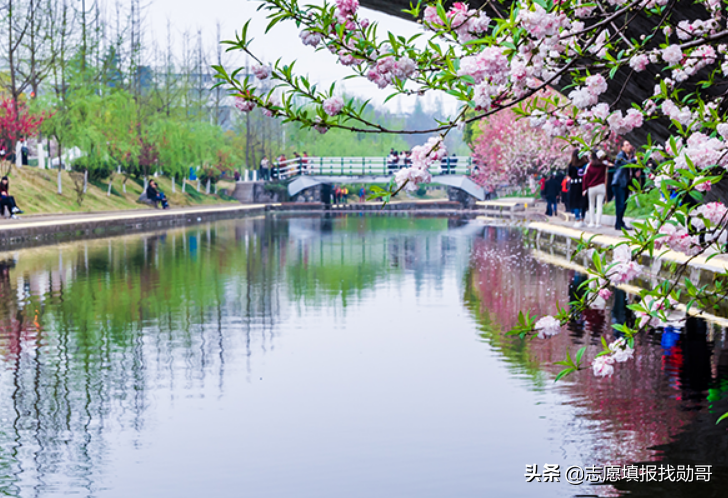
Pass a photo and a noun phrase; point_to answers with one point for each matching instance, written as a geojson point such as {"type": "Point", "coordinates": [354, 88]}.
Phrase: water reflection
{"type": "Point", "coordinates": [669, 396]}
{"type": "Point", "coordinates": [105, 345]}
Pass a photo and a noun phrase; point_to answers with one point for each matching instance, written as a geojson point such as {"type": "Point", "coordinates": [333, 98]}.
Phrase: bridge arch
{"type": "Point", "coordinates": [305, 173]}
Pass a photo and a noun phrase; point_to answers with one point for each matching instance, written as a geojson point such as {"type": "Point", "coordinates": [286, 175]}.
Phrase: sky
{"type": "Point", "coordinates": [282, 41]}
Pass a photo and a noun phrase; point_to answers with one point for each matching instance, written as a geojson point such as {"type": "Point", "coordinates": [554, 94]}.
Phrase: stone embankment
{"type": "Point", "coordinates": [45, 229]}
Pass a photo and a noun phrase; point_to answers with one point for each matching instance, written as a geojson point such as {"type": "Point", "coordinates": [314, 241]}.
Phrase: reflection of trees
{"type": "Point", "coordinates": [89, 330]}
{"type": "Point", "coordinates": [646, 402]}
{"type": "Point", "coordinates": [361, 251]}
{"type": "Point", "coordinates": [86, 331]}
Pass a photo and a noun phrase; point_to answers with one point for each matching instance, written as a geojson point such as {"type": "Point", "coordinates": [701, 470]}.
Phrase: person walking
{"type": "Point", "coordinates": [575, 186]}
{"type": "Point", "coordinates": [542, 186]}
{"type": "Point", "coordinates": [595, 186]}
{"type": "Point", "coordinates": [621, 181]}
{"type": "Point", "coordinates": [265, 169]}
{"type": "Point", "coordinates": [551, 191]}
{"type": "Point", "coordinates": [565, 191]}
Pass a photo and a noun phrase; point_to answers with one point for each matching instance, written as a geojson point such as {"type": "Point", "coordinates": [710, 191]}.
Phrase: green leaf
{"type": "Point", "coordinates": [579, 355]}
{"type": "Point", "coordinates": [721, 418]}
{"type": "Point", "coordinates": [566, 372]}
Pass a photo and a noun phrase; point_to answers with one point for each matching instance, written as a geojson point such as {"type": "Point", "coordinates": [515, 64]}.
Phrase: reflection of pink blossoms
{"type": "Point", "coordinates": [333, 106]}
{"type": "Point", "coordinates": [547, 326]}
{"type": "Point", "coordinates": [603, 366]}
{"type": "Point", "coordinates": [261, 71]}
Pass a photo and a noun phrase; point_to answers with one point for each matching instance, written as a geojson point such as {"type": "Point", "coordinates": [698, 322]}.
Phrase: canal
{"type": "Point", "coordinates": [352, 356]}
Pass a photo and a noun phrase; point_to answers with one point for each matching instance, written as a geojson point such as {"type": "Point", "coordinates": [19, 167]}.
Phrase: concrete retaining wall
{"type": "Point", "coordinates": [52, 229]}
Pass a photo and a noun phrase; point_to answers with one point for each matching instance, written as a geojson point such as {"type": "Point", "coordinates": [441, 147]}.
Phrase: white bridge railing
{"type": "Point", "coordinates": [362, 166]}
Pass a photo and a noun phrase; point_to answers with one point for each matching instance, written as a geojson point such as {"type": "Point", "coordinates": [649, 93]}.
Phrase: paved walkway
{"type": "Point", "coordinates": [606, 235]}
{"type": "Point", "coordinates": [55, 220]}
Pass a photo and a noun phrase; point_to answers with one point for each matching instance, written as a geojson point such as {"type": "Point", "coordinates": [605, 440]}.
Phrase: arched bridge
{"type": "Point", "coordinates": [307, 172]}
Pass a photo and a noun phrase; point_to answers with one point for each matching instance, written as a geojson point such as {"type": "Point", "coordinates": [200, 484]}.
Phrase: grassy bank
{"type": "Point", "coordinates": [35, 192]}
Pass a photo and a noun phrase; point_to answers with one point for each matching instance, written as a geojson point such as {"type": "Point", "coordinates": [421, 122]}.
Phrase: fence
{"type": "Point", "coordinates": [361, 166]}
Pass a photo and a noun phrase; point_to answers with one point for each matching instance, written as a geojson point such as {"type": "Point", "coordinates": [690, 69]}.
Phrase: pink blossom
{"type": "Point", "coordinates": [431, 16]}
{"type": "Point", "coordinates": [345, 10]}
{"type": "Point", "coordinates": [601, 111]}
{"type": "Point", "coordinates": [547, 326]}
{"type": "Point", "coordinates": [490, 64]}
{"type": "Point", "coordinates": [623, 268]}
{"type": "Point", "coordinates": [467, 24]}
{"type": "Point", "coordinates": [639, 62]}
{"type": "Point", "coordinates": [274, 101]}
{"type": "Point", "coordinates": [703, 151]}
{"type": "Point", "coordinates": [423, 156]}
{"type": "Point", "coordinates": [621, 351]}
{"type": "Point", "coordinates": [333, 105]}
{"type": "Point", "coordinates": [722, 129]}
{"type": "Point", "coordinates": [678, 239]}
{"type": "Point", "coordinates": [605, 293]}
{"type": "Point", "coordinates": [311, 38]}
{"type": "Point", "coordinates": [244, 105]}
{"type": "Point", "coordinates": [704, 186]}
{"type": "Point", "coordinates": [583, 98]}
{"type": "Point", "coordinates": [681, 115]}
{"type": "Point", "coordinates": [540, 23]}
{"type": "Point", "coordinates": [672, 54]}
{"type": "Point", "coordinates": [388, 68]}
{"type": "Point", "coordinates": [715, 212]}
{"type": "Point", "coordinates": [483, 95]}
{"type": "Point", "coordinates": [410, 178]}
{"type": "Point", "coordinates": [319, 126]}
{"type": "Point", "coordinates": [596, 84]}
{"type": "Point", "coordinates": [621, 125]}
{"type": "Point", "coordinates": [261, 71]}
{"type": "Point", "coordinates": [603, 366]}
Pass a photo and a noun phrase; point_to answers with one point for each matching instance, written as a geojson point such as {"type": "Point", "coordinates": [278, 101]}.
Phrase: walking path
{"type": "Point", "coordinates": [39, 227]}
{"type": "Point", "coordinates": [606, 235]}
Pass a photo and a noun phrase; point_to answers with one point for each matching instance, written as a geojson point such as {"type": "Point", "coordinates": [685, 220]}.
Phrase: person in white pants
{"type": "Point", "coordinates": [595, 186]}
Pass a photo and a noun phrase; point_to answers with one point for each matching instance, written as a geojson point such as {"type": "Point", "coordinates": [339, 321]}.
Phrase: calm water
{"type": "Point", "coordinates": [347, 357]}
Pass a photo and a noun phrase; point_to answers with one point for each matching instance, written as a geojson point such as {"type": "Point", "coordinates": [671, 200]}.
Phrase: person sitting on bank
{"type": "Point", "coordinates": [155, 195]}
{"type": "Point", "coordinates": [7, 200]}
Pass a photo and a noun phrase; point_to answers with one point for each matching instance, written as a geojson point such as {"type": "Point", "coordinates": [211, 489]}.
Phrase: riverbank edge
{"type": "Point", "coordinates": [45, 229]}
{"type": "Point", "coordinates": [50, 229]}
{"type": "Point", "coordinates": [714, 265]}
